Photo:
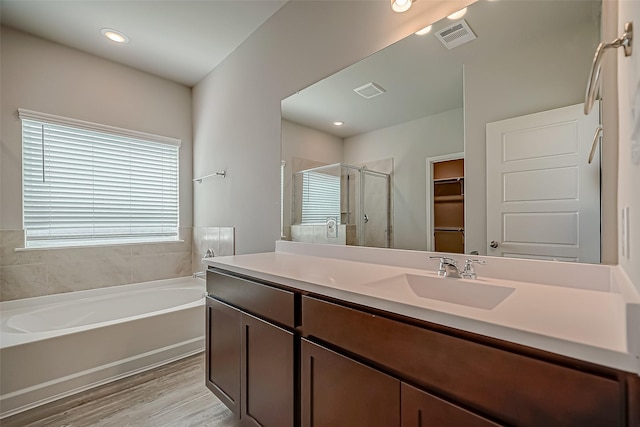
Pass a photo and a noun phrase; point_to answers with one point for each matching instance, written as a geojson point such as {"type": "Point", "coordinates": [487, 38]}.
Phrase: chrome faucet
{"type": "Point", "coordinates": [468, 272]}
{"type": "Point", "coordinates": [448, 266]}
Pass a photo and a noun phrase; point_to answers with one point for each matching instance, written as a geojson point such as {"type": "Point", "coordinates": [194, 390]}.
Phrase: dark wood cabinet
{"type": "Point", "coordinates": [267, 374]}
{"type": "Point", "coordinates": [422, 409]}
{"type": "Point", "coordinates": [278, 357]}
{"type": "Point", "coordinates": [337, 391]}
{"type": "Point", "coordinates": [223, 348]}
{"type": "Point", "coordinates": [250, 362]}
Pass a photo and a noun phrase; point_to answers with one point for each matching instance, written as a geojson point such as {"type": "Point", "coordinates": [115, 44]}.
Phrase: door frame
{"type": "Point", "coordinates": [429, 193]}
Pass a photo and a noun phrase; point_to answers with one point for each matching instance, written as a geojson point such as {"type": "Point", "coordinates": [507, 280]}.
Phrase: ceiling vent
{"type": "Point", "coordinates": [456, 34]}
{"type": "Point", "coordinates": [369, 90]}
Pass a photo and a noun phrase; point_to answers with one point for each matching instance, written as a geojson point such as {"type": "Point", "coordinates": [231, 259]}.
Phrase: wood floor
{"type": "Point", "coordinates": [172, 395]}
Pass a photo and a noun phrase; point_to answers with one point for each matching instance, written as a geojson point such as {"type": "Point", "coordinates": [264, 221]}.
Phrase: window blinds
{"type": "Point", "coordinates": [320, 197]}
{"type": "Point", "coordinates": [83, 186]}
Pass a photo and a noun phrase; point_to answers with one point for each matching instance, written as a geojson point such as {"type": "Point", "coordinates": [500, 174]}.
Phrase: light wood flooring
{"type": "Point", "coordinates": [171, 395]}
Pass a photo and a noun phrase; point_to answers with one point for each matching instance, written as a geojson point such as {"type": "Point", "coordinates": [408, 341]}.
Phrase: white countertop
{"type": "Point", "coordinates": [586, 324]}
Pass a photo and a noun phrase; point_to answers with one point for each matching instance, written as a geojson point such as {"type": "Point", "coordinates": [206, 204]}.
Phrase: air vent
{"type": "Point", "coordinates": [369, 90]}
{"type": "Point", "coordinates": [456, 34]}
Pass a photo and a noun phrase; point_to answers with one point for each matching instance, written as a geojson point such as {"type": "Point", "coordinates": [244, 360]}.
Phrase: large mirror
{"type": "Point", "coordinates": [470, 138]}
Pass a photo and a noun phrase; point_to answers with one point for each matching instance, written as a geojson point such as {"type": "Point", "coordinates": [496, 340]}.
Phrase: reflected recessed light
{"type": "Point", "coordinates": [400, 5]}
{"type": "Point", "coordinates": [458, 14]}
{"type": "Point", "coordinates": [338, 123]}
{"type": "Point", "coordinates": [424, 31]}
{"type": "Point", "coordinates": [115, 36]}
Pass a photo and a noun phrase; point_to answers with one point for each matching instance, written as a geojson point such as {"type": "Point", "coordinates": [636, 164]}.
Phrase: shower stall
{"type": "Point", "coordinates": [342, 204]}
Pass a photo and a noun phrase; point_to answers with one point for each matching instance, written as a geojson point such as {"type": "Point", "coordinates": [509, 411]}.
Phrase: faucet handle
{"type": "Point", "coordinates": [468, 272]}
{"type": "Point", "coordinates": [444, 261]}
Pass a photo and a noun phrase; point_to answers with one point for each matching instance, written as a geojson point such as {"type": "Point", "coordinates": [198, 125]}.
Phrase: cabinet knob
{"type": "Point", "coordinates": [493, 244]}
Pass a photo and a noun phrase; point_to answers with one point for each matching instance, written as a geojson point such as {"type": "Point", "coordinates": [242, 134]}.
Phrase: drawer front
{"type": "Point", "coordinates": [421, 409]}
{"type": "Point", "coordinates": [274, 304]}
{"type": "Point", "coordinates": [517, 389]}
{"type": "Point", "coordinates": [339, 392]}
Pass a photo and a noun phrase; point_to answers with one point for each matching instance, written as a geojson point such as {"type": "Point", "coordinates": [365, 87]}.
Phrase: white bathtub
{"type": "Point", "coordinates": [58, 345]}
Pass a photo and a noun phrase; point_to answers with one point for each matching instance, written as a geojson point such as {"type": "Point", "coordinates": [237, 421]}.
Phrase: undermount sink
{"type": "Point", "coordinates": [456, 291]}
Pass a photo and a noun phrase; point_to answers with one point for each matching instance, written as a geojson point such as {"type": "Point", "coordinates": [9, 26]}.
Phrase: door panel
{"type": "Point", "coordinates": [267, 374]}
{"type": "Point", "coordinates": [421, 409]}
{"type": "Point", "coordinates": [337, 391]}
{"type": "Point", "coordinates": [223, 351]}
{"type": "Point", "coordinates": [543, 198]}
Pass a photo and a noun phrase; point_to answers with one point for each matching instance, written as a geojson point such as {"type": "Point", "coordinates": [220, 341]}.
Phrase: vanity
{"type": "Point", "coordinates": [314, 335]}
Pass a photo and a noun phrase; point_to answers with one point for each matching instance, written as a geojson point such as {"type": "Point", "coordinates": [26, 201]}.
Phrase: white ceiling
{"type": "Point", "coordinates": [421, 76]}
{"type": "Point", "coordinates": [181, 40]}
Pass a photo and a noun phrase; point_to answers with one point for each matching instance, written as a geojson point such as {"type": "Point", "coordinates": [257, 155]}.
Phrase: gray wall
{"type": "Point", "coordinates": [237, 106]}
{"type": "Point", "coordinates": [546, 74]}
{"type": "Point", "coordinates": [629, 149]}
{"type": "Point", "coordinates": [409, 145]}
{"type": "Point", "coordinates": [46, 77]}
{"type": "Point", "coordinates": [300, 142]}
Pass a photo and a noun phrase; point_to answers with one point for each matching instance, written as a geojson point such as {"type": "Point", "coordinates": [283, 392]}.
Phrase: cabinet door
{"type": "Point", "coordinates": [223, 353]}
{"type": "Point", "coordinates": [338, 391]}
{"type": "Point", "coordinates": [267, 374]}
{"type": "Point", "coordinates": [421, 409]}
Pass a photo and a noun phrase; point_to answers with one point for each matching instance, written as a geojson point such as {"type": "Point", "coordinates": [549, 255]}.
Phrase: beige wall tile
{"type": "Point", "coordinates": [23, 281]}
{"type": "Point", "coordinates": [161, 266]}
{"type": "Point", "coordinates": [227, 241]}
{"type": "Point", "coordinates": [9, 241]}
{"type": "Point", "coordinates": [108, 267]}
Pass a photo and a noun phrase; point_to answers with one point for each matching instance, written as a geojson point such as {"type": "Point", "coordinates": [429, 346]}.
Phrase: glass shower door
{"type": "Point", "coordinates": [375, 201]}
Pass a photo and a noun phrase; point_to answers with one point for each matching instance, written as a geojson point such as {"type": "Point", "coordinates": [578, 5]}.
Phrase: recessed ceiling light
{"type": "Point", "coordinates": [115, 36]}
{"type": "Point", "coordinates": [458, 14]}
{"type": "Point", "coordinates": [338, 123]}
{"type": "Point", "coordinates": [424, 31]}
{"type": "Point", "coordinates": [400, 5]}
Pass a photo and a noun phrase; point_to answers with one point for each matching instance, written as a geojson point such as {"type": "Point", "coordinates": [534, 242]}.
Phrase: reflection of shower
{"type": "Point", "coordinates": [357, 197]}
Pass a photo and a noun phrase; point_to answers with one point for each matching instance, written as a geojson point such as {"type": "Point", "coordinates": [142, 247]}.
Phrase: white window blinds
{"type": "Point", "coordinates": [320, 197]}
{"type": "Point", "coordinates": [83, 185]}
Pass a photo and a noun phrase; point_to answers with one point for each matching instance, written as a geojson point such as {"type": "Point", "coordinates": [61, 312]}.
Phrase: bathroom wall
{"type": "Point", "coordinates": [629, 146]}
{"type": "Point", "coordinates": [299, 144]}
{"type": "Point", "coordinates": [409, 145]}
{"type": "Point", "coordinates": [43, 76]}
{"type": "Point", "coordinates": [493, 91]}
{"type": "Point", "coordinates": [237, 106]}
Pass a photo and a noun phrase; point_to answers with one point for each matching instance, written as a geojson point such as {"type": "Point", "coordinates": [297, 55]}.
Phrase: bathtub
{"type": "Point", "coordinates": [57, 345]}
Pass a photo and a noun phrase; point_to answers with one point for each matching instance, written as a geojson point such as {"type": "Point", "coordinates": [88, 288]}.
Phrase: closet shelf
{"type": "Point", "coordinates": [448, 180]}
{"type": "Point", "coordinates": [455, 198]}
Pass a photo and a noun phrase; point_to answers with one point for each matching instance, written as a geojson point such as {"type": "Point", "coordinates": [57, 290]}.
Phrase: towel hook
{"type": "Point", "coordinates": [623, 41]}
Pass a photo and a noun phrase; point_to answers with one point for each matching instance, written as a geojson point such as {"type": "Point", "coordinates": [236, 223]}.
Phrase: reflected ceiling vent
{"type": "Point", "coordinates": [369, 90]}
{"type": "Point", "coordinates": [456, 34]}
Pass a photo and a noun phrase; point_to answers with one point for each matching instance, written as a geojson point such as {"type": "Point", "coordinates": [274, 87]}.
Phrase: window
{"type": "Point", "coordinates": [87, 184]}
{"type": "Point", "coordinates": [320, 197]}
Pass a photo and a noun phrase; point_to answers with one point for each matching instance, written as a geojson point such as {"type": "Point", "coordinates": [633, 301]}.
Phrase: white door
{"type": "Point", "coordinates": [543, 198]}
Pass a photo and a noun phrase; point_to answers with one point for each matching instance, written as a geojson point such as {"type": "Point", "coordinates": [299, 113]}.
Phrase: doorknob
{"type": "Point", "coordinates": [493, 244]}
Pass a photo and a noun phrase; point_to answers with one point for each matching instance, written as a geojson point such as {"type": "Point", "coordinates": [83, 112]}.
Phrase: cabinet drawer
{"type": "Point", "coordinates": [340, 392]}
{"type": "Point", "coordinates": [517, 389]}
{"type": "Point", "coordinates": [265, 301]}
{"type": "Point", "coordinates": [421, 409]}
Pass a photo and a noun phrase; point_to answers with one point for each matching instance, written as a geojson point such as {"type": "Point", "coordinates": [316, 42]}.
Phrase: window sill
{"type": "Point", "coordinates": [97, 245]}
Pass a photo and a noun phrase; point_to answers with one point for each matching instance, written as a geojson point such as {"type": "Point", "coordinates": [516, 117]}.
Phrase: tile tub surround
{"type": "Point", "coordinates": [221, 240]}
{"type": "Point", "coordinates": [586, 312]}
{"type": "Point", "coordinates": [30, 273]}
